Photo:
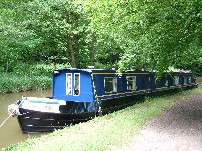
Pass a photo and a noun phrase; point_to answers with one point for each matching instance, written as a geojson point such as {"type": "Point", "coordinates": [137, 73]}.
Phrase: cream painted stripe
{"type": "Point", "coordinates": [118, 73]}
{"type": "Point", "coordinates": [115, 94]}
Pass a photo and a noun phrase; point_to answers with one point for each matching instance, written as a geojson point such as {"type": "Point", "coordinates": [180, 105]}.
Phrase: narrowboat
{"type": "Point", "coordinates": [78, 95]}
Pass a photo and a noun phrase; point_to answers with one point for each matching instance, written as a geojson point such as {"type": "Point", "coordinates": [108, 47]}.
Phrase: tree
{"type": "Point", "coordinates": [63, 28]}
{"type": "Point", "coordinates": [126, 34]}
{"type": "Point", "coordinates": [12, 35]}
{"type": "Point", "coordinates": [152, 34]}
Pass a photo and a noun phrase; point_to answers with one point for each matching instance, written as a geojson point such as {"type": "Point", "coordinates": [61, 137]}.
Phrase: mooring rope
{"type": "Point", "coordinates": [5, 120]}
{"type": "Point", "coordinates": [13, 109]}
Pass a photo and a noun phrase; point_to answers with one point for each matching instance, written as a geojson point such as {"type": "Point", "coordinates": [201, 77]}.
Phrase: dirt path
{"type": "Point", "coordinates": [178, 129]}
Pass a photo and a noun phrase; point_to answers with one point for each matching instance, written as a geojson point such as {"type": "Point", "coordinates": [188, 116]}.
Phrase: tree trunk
{"type": "Point", "coordinates": [76, 45]}
{"type": "Point", "coordinates": [72, 59]}
{"type": "Point", "coordinates": [92, 51]}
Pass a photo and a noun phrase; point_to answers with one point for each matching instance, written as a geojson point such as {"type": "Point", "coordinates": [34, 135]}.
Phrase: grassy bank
{"type": "Point", "coordinates": [107, 132]}
{"type": "Point", "coordinates": [11, 82]}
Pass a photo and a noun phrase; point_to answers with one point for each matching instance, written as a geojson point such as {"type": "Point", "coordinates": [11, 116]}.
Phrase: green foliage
{"type": "Point", "coordinates": [43, 69]}
{"type": "Point", "coordinates": [153, 35]}
{"type": "Point", "coordinates": [126, 34]}
{"type": "Point", "coordinates": [62, 28]}
{"type": "Point", "coordinates": [16, 83]}
{"type": "Point", "coordinates": [28, 77]}
{"type": "Point", "coordinates": [37, 69]}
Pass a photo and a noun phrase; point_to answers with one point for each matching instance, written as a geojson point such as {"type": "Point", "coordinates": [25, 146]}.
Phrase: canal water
{"type": "Point", "coordinates": [10, 132]}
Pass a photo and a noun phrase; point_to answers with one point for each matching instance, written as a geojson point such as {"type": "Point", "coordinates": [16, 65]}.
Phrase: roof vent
{"type": "Point", "coordinates": [91, 67]}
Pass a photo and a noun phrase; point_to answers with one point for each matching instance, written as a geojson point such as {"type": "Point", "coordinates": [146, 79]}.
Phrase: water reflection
{"type": "Point", "coordinates": [10, 132]}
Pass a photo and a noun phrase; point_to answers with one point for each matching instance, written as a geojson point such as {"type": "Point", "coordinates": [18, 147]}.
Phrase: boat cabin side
{"type": "Point", "coordinates": [110, 84]}
{"type": "Point", "coordinates": [88, 85]}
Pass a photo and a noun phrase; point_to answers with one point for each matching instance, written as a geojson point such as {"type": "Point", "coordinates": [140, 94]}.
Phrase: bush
{"type": "Point", "coordinates": [46, 69]}
{"type": "Point", "coordinates": [29, 77]}
{"type": "Point", "coordinates": [38, 69]}
{"type": "Point", "coordinates": [12, 82]}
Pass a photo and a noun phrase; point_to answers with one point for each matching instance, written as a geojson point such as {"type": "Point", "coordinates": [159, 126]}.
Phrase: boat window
{"type": "Point", "coordinates": [189, 79]}
{"type": "Point", "coordinates": [166, 83]}
{"type": "Point", "coordinates": [131, 82]}
{"type": "Point", "coordinates": [76, 84]}
{"type": "Point", "coordinates": [68, 84]}
{"type": "Point", "coordinates": [185, 80]}
{"type": "Point", "coordinates": [176, 80]}
{"type": "Point", "coordinates": [110, 84]}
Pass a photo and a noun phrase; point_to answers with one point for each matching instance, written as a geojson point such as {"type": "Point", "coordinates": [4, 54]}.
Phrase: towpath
{"type": "Point", "coordinates": [178, 129]}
